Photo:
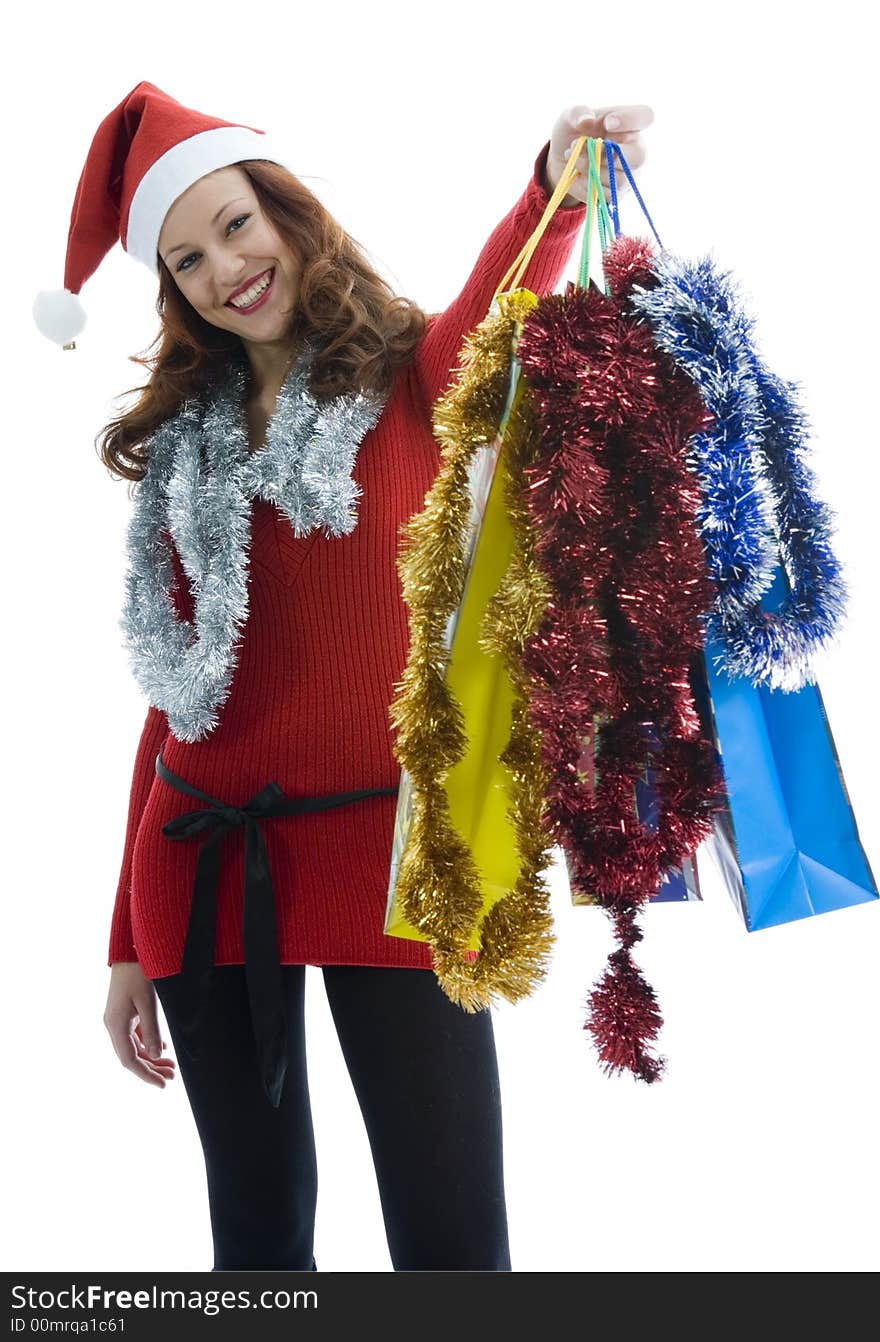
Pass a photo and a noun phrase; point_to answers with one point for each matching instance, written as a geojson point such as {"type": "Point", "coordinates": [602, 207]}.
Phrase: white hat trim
{"type": "Point", "coordinates": [177, 169]}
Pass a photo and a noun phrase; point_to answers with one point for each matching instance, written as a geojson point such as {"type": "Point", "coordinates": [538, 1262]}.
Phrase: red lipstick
{"type": "Point", "coordinates": [242, 289]}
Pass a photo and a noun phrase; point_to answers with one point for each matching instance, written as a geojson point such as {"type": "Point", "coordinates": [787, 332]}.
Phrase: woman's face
{"type": "Point", "coordinates": [215, 241]}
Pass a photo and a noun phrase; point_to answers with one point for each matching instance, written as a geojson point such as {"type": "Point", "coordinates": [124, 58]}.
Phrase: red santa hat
{"type": "Point", "coordinates": [144, 155]}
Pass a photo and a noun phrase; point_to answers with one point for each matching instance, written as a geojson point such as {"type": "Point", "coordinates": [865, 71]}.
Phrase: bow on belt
{"type": "Point", "coordinates": [262, 960]}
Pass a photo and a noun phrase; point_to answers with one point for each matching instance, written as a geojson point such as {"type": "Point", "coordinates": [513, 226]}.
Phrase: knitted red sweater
{"type": "Point", "coordinates": [325, 641]}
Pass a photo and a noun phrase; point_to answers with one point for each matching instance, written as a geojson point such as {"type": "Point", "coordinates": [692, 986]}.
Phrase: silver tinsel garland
{"type": "Point", "coordinates": [199, 484]}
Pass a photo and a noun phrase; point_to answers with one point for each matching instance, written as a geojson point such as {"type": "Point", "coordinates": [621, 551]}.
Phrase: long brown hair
{"type": "Point", "coordinates": [364, 332]}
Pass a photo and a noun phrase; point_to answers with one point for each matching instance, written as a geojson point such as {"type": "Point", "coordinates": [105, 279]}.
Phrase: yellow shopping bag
{"type": "Point", "coordinates": [476, 788]}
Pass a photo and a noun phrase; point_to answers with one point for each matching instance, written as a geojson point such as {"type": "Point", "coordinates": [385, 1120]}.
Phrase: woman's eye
{"type": "Point", "coordinates": [239, 218]}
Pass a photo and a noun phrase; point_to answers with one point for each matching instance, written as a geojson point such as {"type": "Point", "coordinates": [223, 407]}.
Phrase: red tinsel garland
{"type": "Point", "coordinates": [613, 508]}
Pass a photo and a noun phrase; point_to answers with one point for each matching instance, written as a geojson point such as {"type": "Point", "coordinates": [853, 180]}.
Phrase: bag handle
{"type": "Point", "coordinates": [612, 144]}
{"type": "Point", "coordinates": [596, 196]}
{"type": "Point", "coordinates": [513, 277]}
{"type": "Point", "coordinates": [609, 223]}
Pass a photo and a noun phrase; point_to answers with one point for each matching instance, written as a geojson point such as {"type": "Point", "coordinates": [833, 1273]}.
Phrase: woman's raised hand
{"type": "Point", "coordinates": [594, 122]}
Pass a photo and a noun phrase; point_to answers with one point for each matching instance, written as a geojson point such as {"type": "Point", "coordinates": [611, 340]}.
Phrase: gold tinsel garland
{"type": "Point", "coordinates": [438, 887]}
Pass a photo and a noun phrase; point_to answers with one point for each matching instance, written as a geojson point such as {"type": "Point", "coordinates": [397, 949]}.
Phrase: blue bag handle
{"type": "Point", "coordinates": [609, 224]}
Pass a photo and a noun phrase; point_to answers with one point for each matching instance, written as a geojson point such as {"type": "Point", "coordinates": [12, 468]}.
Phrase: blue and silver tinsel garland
{"type": "Point", "coordinates": [759, 506]}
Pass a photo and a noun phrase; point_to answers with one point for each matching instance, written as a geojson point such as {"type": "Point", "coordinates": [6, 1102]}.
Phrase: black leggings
{"type": "Point", "coordinates": [425, 1075]}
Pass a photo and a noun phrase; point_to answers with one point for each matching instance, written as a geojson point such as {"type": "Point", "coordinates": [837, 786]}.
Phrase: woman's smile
{"type": "Point", "coordinates": [258, 290]}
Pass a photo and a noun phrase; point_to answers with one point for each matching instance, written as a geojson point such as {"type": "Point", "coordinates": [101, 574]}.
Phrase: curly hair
{"type": "Point", "coordinates": [364, 332]}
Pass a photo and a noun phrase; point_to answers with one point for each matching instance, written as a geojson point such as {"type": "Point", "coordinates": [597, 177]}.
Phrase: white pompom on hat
{"type": "Point", "coordinates": [59, 315]}
{"type": "Point", "coordinates": [143, 156]}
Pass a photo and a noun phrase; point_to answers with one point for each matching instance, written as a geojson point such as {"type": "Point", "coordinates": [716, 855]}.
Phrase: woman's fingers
{"type": "Point", "coordinates": [599, 123]}
{"type": "Point", "coordinates": [158, 1066]}
{"type": "Point", "coordinates": [131, 1051]}
{"type": "Point", "coordinates": [632, 117]}
{"type": "Point", "coordinates": [624, 137]}
{"type": "Point", "coordinates": [634, 153]}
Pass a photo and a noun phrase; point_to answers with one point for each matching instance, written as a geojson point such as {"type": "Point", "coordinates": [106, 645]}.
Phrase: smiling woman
{"type": "Point", "coordinates": [221, 240]}
{"type": "Point", "coordinates": [265, 621]}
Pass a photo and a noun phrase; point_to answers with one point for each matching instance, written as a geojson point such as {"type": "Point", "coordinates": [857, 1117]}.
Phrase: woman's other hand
{"type": "Point", "coordinates": [132, 1022]}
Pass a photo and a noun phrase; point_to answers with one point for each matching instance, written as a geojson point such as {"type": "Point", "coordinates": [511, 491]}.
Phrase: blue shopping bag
{"type": "Point", "coordinates": [787, 845]}
{"type": "Point", "coordinates": [677, 884]}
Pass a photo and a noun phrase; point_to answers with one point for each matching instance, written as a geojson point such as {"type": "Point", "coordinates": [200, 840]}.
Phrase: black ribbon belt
{"type": "Point", "coordinates": [262, 959]}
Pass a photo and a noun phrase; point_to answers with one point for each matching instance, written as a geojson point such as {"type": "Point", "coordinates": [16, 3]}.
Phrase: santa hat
{"type": "Point", "coordinates": [144, 155]}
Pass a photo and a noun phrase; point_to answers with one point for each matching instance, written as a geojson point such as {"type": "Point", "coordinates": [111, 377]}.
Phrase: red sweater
{"type": "Point", "coordinates": [326, 640]}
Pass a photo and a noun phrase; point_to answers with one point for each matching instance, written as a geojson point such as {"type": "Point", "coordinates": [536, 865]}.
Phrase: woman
{"type": "Point", "coordinates": [282, 440]}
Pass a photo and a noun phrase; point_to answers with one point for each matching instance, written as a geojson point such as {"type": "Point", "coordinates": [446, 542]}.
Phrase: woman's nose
{"type": "Point", "coordinates": [228, 280]}
{"type": "Point", "coordinates": [229, 274]}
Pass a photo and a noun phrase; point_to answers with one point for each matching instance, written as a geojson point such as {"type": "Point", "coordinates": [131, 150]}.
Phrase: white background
{"type": "Point", "coordinates": [758, 1151]}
